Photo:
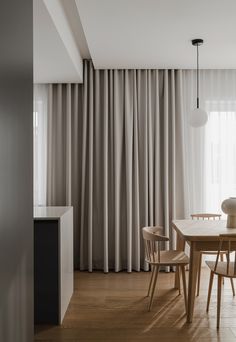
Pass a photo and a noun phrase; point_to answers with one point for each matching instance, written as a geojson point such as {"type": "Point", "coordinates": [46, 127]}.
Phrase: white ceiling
{"type": "Point", "coordinates": [158, 33]}
{"type": "Point", "coordinates": [130, 34]}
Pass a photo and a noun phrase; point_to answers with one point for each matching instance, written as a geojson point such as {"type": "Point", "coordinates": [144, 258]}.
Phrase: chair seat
{"type": "Point", "coordinates": [169, 258]}
{"type": "Point", "coordinates": [213, 252]}
{"type": "Point", "coordinates": [222, 268]}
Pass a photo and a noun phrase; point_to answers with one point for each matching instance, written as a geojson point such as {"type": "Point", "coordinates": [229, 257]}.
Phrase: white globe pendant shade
{"type": "Point", "coordinates": [198, 118]}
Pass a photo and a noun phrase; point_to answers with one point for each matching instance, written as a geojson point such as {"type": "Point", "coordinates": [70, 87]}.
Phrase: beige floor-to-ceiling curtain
{"type": "Point", "coordinates": [115, 152]}
{"type": "Point", "coordinates": [64, 151]}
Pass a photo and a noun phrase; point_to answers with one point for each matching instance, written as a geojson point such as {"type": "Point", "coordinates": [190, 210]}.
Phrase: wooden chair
{"type": "Point", "coordinates": [208, 217]}
{"type": "Point", "coordinates": [157, 258]}
{"type": "Point", "coordinates": [222, 269]}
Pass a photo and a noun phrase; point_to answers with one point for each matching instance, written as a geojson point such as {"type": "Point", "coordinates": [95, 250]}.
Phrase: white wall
{"type": "Point", "coordinates": [57, 57]}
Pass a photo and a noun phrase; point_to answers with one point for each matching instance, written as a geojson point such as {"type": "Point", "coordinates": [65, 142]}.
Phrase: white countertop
{"type": "Point", "coordinates": [50, 213]}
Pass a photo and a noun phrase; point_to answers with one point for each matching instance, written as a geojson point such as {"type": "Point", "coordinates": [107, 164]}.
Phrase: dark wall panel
{"type": "Point", "coordinates": [16, 163]}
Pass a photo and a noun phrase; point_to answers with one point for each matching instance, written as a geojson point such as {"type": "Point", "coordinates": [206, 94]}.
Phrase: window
{"type": "Point", "coordinates": [40, 144]}
{"type": "Point", "coordinates": [220, 156]}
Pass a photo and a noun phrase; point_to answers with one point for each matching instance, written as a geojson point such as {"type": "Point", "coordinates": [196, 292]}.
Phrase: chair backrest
{"type": "Point", "coordinates": [152, 243]}
{"type": "Point", "coordinates": [206, 216]}
{"type": "Point", "coordinates": [225, 246]}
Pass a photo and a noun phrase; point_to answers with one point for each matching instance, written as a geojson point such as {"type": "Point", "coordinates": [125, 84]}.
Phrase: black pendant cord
{"type": "Point", "coordinates": [197, 77]}
{"type": "Point", "coordinates": [197, 43]}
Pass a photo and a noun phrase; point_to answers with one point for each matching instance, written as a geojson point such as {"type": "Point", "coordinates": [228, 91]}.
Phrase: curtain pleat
{"type": "Point", "coordinates": [64, 155]}
{"type": "Point", "coordinates": [128, 104]}
{"type": "Point", "coordinates": [115, 154]}
{"type": "Point", "coordinates": [166, 156]}
{"type": "Point", "coordinates": [105, 173]}
{"type": "Point", "coordinates": [158, 163]}
{"type": "Point", "coordinates": [135, 182]}
{"type": "Point", "coordinates": [86, 98]}
{"type": "Point", "coordinates": [68, 144]}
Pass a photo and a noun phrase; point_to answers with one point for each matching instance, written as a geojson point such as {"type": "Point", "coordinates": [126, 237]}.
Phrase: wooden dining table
{"type": "Point", "coordinates": [201, 236]}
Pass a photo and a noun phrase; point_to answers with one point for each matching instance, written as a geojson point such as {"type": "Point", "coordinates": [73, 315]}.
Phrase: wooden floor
{"type": "Point", "coordinates": [113, 307]}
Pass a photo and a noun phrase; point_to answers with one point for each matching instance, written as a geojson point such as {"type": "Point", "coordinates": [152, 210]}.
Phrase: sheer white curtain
{"type": "Point", "coordinates": [40, 143]}
{"type": "Point", "coordinates": [211, 151]}
{"type": "Point", "coordinates": [220, 153]}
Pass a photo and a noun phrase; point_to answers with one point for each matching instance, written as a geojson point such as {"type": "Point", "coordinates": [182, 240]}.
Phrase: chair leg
{"type": "Point", "coordinates": [153, 287]}
{"type": "Point", "coordinates": [184, 287]}
{"type": "Point", "coordinates": [231, 279]}
{"type": "Point", "coordinates": [151, 279]}
{"type": "Point", "coordinates": [199, 274]}
{"type": "Point", "coordinates": [209, 290]}
{"type": "Point", "coordinates": [222, 259]}
{"type": "Point", "coordinates": [232, 285]}
{"type": "Point", "coordinates": [218, 300]}
{"type": "Point", "coordinates": [179, 275]}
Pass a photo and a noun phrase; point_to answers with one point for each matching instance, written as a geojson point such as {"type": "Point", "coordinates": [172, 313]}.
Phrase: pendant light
{"type": "Point", "coordinates": [198, 117]}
